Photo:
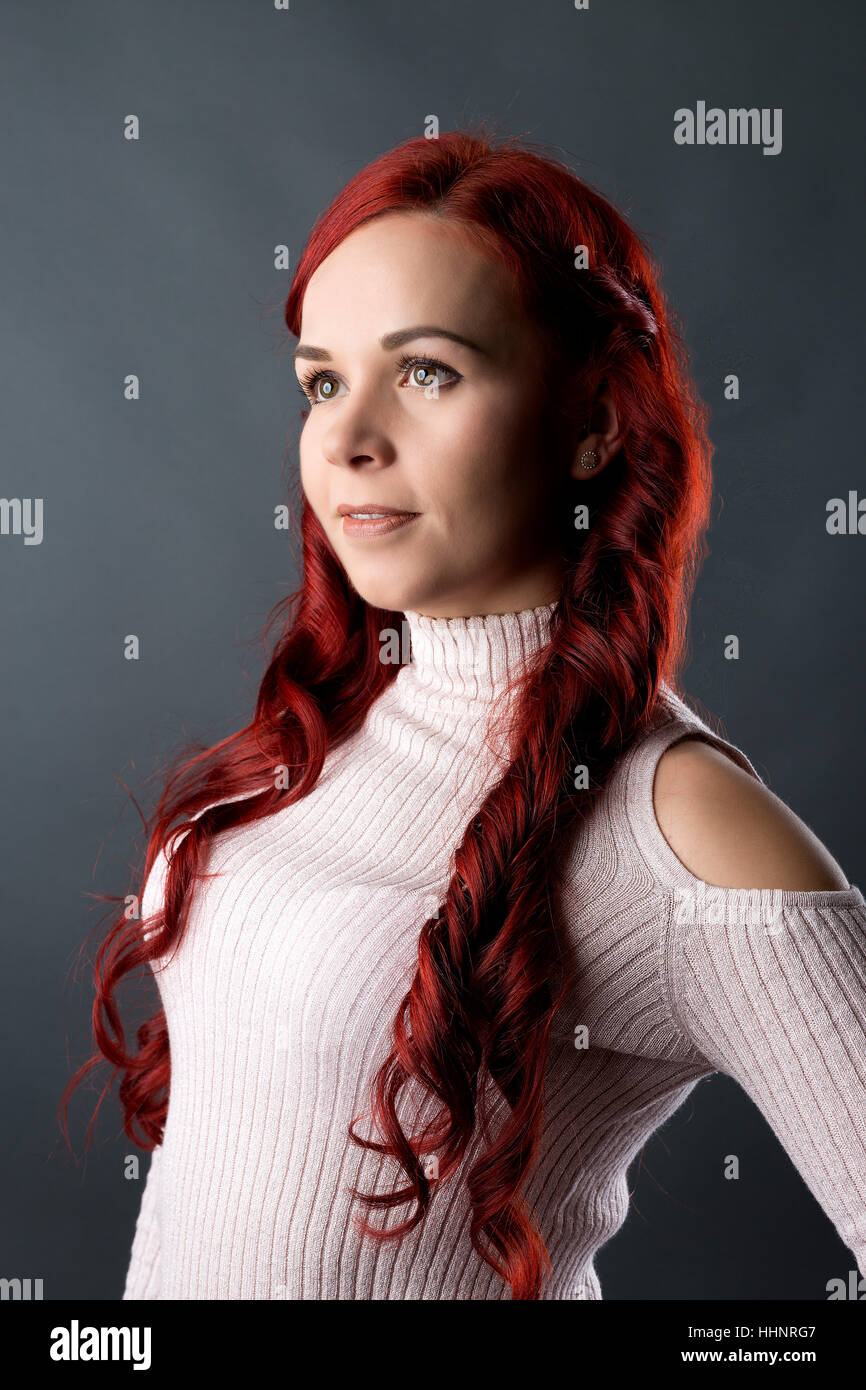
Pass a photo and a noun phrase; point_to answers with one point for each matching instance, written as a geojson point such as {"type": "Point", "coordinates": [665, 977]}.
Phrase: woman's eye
{"type": "Point", "coordinates": [422, 376]}
{"type": "Point", "coordinates": [327, 383]}
{"type": "Point", "coordinates": [423, 371]}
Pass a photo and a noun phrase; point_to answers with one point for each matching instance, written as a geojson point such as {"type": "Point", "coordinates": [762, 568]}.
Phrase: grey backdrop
{"type": "Point", "coordinates": [156, 257]}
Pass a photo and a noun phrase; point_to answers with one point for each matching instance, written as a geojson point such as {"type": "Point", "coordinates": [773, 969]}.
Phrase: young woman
{"type": "Point", "coordinates": [475, 900]}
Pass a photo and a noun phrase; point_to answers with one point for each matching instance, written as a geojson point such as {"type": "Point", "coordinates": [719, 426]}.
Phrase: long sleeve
{"type": "Point", "coordinates": [779, 1004]}
{"type": "Point", "coordinates": [143, 1275]}
{"type": "Point", "coordinates": [142, 1279]}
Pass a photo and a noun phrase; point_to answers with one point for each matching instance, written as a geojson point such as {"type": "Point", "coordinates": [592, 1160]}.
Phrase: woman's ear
{"type": "Point", "coordinates": [601, 438]}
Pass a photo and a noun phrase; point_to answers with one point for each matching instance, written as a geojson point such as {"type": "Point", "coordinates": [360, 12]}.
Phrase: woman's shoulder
{"type": "Point", "coordinates": [729, 829]}
{"type": "Point", "coordinates": [701, 811]}
{"type": "Point", "coordinates": [737, 861]}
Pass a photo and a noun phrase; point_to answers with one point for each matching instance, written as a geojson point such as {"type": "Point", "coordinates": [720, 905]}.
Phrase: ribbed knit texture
{"type": "Point", "coordinates": [281, 997]}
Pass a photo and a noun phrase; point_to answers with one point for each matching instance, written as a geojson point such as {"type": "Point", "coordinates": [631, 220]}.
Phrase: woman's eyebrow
{"type": "Point", "coordinates": [389, 341]}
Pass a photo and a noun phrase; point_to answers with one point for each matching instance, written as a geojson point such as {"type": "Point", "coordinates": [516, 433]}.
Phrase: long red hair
{"type": "Point", "coordinates": [488, 981]}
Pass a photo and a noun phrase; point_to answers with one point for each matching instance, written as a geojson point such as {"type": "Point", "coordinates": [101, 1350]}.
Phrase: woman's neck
{"type": "Point", "coordinates": [474, 658]}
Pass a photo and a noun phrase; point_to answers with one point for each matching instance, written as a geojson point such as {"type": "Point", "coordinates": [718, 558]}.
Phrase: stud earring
{"type": "Point", "coordinates": [592, 456]}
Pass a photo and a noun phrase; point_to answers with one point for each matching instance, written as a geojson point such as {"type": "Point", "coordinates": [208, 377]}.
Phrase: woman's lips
{"type": "Point", "coordinates": [376, 525]}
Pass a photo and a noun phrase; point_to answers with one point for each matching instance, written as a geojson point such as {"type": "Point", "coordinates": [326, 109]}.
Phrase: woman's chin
{"type": "Point", "coordinates": [380, 592]}
{"type": "Point", "coordinates": [392, 600]}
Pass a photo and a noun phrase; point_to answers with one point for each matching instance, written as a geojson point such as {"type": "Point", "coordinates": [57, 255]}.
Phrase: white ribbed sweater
{"type": "Point", "coordinates": [281, 997]}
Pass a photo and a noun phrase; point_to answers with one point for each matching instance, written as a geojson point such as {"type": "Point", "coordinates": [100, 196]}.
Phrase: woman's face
{"type": "Point", "coordinates": [460, 441]}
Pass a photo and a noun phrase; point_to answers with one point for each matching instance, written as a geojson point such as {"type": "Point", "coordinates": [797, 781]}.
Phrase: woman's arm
{"type": "Point", "coordinates": [142, 1279]}
{"type": "Point", "coordinates": [770, 985]}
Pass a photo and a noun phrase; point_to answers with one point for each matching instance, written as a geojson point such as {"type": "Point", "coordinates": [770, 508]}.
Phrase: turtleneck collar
{"type": "Point", "coordinates": [473, 659]}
